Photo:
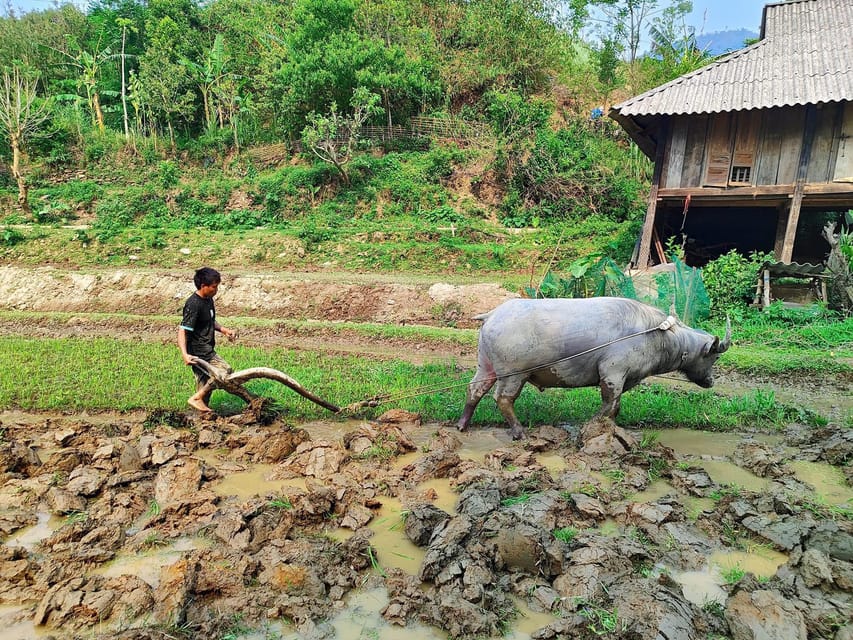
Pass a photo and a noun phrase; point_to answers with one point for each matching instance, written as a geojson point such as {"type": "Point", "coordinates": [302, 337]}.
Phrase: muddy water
{"type": "Point", "coordinates": [16, 624]}
{"type": "Point", "coordinates": [653, 492]}
{"type": "Point", "coordinates": [147, 565]}
{"type": "Point", "coordinates": [29, 537]}
{"type": "Point", "coordinates": [705, 586]}
{"type": "Point", "coordinates": [362, 619]}
{"type": "Point", "coordinates": [829, 483]}
{"type": "Point", "coordinates": [711, 444]}
{"type": "Point", "coordinates": [389, 539]}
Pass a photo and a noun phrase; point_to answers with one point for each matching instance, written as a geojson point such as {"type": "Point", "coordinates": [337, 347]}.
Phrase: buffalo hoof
{"type": "Point", "coordinates": [517, 433]}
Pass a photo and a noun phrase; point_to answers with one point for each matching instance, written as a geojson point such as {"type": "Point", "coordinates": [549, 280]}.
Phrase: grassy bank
{"type": "Point", "coordinates": [107, 374]}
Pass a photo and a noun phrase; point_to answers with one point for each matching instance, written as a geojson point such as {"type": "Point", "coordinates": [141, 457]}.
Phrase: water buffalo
{"type": "Point", "coordinates": [610, 342]}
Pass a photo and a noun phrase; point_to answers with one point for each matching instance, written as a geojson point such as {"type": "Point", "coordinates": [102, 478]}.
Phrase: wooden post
{"type": "Point", "coordinates": [766, 276]}
{"type": "Point", "coordinates": [651, 211]}
{"type": "Point", "coordinates": [781, 224]}
{"type": "Point", "coordinates": [791, 226]}
{"type": "Point", "coordinates": [802, 171]}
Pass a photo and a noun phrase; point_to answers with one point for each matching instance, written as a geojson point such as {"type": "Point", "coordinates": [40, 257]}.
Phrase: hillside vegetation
{"type": "Point", "coordinates": [149, 127]}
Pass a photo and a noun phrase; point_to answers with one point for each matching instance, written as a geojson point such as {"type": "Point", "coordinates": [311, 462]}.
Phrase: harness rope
{"type": "Point", "coordinates": [379, 400]}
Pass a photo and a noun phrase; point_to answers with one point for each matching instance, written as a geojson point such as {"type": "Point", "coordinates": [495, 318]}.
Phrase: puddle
{"type": "Point", "coordinates": [29, 537]}
{"type": "Point", "coordinates": [443, 491]}
{"type": "Point", "coordinates": [477, 444]}
{"type": "Point", "coordinates": [608, 527]}
{"type": "Point", "coordinates": [689, 442]}
{"type": "Point", "coordinates": [829, 482]}
{"type": "Point", "coordinates": [528, 621]}
{"type": "Point", "coordinates": [656, 490]}
{"type": "Point", "coordinates": [254, 481]}
{"type": "Point", "coordinates": [16, 623]}
{"type": "Point", "coordinates": [705, 586]}
{"type": "Point", "coordinates": [392, 546]}
{"type": "Point", "coordinates": [361, 620]}
{"type": "Point", "coordinates": [760, 561]}
{"type": "Point", "coordinates": [723, 472]}
{"type": "Point", "coordinates": [554, 463]}
{"type": "Point", "coordinates": [694, 507]}
{"type": "Point", "coordinates": [147, 565]}
{"type": "Point", "coordinates": [701, 587]}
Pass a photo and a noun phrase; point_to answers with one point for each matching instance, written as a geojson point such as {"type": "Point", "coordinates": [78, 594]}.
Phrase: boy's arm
{"type": "Point", "coordinates": [182, 345]}
{"type": "Point", "coordinates": [228, 333]}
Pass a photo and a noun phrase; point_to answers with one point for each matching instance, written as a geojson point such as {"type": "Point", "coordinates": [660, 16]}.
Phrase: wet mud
{"type": "Point", "coordinates": [125, 526]}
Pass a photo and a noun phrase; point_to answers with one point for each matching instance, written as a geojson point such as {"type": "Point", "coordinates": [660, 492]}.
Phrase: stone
{"type": "Point", "coordinates": [162, 452]}
{"type": "Point", "coordinates": [85, 481]}
{"type": "Point", "coordinates": [422, 521]}
{"type": "Point", "coordinates": [764, 615]}
{"type": "Point", "coordinates": [178, 482]}
{"type": "Point", "coordinates": [357, 516]}
{"type": "Point", "coordinates": [63, 502]}
{"type": "Point", "coordinates": [815, 568]}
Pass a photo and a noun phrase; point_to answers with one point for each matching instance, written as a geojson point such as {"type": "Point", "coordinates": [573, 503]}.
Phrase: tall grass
{"type": "Point", "coordinates": [108, 374]}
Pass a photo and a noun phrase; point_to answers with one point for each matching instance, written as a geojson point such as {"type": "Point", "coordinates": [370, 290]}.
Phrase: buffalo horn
{"type": "Point", "coordinates": [727, 341]}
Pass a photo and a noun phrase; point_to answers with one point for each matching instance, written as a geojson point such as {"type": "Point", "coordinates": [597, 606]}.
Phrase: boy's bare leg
{"type": "Point", "coordinates": [201, 397]}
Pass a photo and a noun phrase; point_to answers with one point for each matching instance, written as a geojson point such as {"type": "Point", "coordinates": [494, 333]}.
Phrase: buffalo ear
{"type": "Point", "coordinates": [711, 347]}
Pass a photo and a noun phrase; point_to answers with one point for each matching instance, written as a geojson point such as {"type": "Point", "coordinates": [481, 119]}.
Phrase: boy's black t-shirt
{"type": "Point", "coordinates": [199, 321]}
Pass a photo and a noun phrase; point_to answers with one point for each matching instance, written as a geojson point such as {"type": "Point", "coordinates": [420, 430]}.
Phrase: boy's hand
{"type": "Point", "coordinates": [230, 334]}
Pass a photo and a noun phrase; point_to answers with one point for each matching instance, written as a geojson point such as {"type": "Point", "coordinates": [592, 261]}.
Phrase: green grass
{"type": "Point", "coordinates": [733, 575]}
{"type": "Point", "coordinates": [566, 534]}
{"type": "Point", "coordinates": [109, 374]}
{"type": "Point", "coordinates": [789, 342]}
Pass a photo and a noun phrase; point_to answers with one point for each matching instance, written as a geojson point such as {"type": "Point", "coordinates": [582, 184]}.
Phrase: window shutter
{"type": "Point", "coordinates": [719, 150]}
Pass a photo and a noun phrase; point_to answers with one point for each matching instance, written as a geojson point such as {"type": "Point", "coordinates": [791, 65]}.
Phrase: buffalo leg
{"type": "Point", "coordinates": [611, 394]}
{"type": "Point", "coordinates": [477, 388]}
{"type": "Point", "coordinates": [506, 405]}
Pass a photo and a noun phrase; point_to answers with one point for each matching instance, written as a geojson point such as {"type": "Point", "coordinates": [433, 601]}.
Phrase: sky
{"type": "Point", "coordinates": [721, 15]}
{"type": "Point", "coordinates": [708, 15]}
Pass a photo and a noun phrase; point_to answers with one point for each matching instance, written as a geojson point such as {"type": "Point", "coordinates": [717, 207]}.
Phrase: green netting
{"type": "Point", "coordinates": [682, 287]}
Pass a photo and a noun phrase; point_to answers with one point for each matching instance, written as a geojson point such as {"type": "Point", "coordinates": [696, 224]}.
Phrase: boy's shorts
{"type": "Point", "coordinates": [218, 363]}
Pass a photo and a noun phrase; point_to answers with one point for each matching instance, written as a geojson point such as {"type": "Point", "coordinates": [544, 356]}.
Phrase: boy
{"type": "Point", "coordinates": [196, 335]}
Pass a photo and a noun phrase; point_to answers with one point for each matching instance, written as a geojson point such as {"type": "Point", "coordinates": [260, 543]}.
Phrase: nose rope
{"type": "Point", "coordinates": [378, 400]}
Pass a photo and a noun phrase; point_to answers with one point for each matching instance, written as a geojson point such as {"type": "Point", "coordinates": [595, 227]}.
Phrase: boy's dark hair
{"type": "Point", "coordinates": [206, 275]}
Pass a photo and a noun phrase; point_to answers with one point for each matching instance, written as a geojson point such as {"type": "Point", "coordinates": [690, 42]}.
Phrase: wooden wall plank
{"type": "Point", "coordinates": [769, 149]}
{"type": "Point", "coordinates": [719, 157]}
{"type": "Point", "coordinates": [818, 167]}
{"type": "Point", "coordinates": [844, 157]}
{"type": "Point", "coordinates": [791, 124]}
{"type": "Point", "coordinates": [694, 155]}
{"type": "Point", "coordinates": [674, 163]}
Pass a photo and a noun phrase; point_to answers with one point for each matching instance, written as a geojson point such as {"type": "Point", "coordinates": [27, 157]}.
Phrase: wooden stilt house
{"type": "Point", "coordinates": [754, 151]}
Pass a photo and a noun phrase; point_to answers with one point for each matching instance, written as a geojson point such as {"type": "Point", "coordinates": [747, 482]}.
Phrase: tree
{"type": "Point", "coordinates": [626, 21]}
{"type": "Point", "coordinates": [165, 86]}
{"type": "Point", "coordinates": [125, 25]}
{"type": "Point", "coordinates": [333, 137]}
{"type": "Point", "coordinates": [21, 114]}
{"type": "Point", "coordinates": [207, 75]}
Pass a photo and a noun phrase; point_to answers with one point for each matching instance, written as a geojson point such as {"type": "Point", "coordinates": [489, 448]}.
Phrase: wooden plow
{"type": "Point", "coordinates": [233, 384]}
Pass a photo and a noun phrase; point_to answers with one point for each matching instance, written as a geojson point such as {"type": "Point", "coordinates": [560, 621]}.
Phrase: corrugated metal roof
{"type": "Point", "coordinates": [804, 57]}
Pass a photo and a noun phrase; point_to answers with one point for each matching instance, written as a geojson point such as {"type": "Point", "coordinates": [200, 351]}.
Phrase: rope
{"type": "Point", "coordinates": [378, 400]}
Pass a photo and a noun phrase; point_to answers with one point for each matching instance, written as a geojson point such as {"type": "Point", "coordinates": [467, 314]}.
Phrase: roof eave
{"type": "Point", "coordinates": [639, 134]}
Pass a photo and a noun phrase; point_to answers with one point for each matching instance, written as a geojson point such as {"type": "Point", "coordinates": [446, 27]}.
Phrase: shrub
{"type": "Point", "coordinates": [169, 174]}
{"type": "Point", "coordinates": [594, 275]}
{"type": "Point", "coordinates": [11, 236]}
{"type": "Point", "coordinates": [730, 279]}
